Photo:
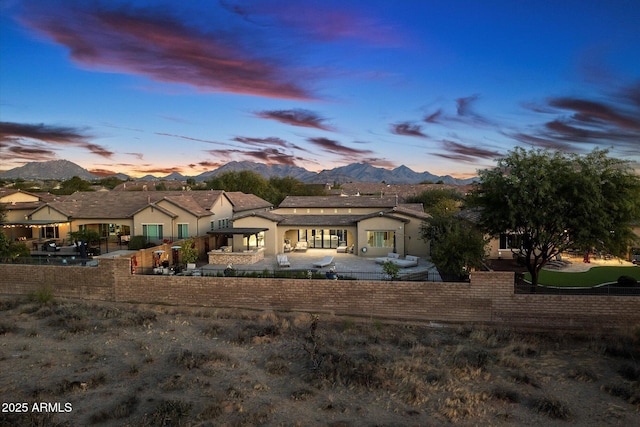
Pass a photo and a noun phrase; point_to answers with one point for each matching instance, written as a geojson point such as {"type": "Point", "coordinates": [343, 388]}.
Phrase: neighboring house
{"type": "Point", "coordinates": [18, 204]}
{"type": "Point", "coordinates": [372, 226]}
{"type": "Point", "coordinates": [503, 245]}
{"type": "Point", "coordinates": [147, 185]}
{"type": "Point", "coordinates": [403, 191]}
{"type": "Point", "coordinates": [158, 215]}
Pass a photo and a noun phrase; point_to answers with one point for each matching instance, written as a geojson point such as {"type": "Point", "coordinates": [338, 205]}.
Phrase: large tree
{"type": "Point", "coordinates": [554, 201]}
{"type": "Point", "coordinates": [457, 246]}
{"type": "Point", "coordinates": [439, 201]}
{"type": "Point", "coordinates": [245, 181]}
{"type": "Point", "coordinates": [274, 190]}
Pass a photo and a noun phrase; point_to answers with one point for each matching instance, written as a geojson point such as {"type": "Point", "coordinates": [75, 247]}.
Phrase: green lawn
{"type": "Point", "coordinates": [595, 276]}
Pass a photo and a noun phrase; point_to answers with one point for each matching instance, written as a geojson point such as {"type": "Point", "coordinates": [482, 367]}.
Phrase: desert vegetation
{"type": "Point", "coordinates": [142, 365]}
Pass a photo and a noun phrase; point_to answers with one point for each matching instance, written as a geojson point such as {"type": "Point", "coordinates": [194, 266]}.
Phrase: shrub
{"type": "Point", "coordinates": [301, 394]}
{"type": "Point", "coordinates": [466, 357]}
{"type": "Point", "coordinates": [627, 281]}
{"type": "Point", "coordinates": [5, 328]}
{"type": "Point", "coordinates": [43, 295]}
{"type": "Point", "coordinates": [138, 242]}
{"type": "Point", "coordinates": [505, 394]}
{"type": "Point", "coordinates": [553, 408]}
{"type": "Point", "coordinates": [359, 370]}
{"type": "Point", "coordinates": [121, 409]}
{"type": "Point", "coordinates": [391, 269]}
{"type": "Point", "coordinates": [189, 360]}
{"type": "Point", "coordinates": [188, 252]}
{"type": "Point", "coordinates": [582, 374]}
{"type": "Point", "coordinates": [10, 304]}
{"type": "Point", "coordinates": [168, 412]}
{"type": "Point", "coordinates": [137, 318]}
{"type": "Point", "coordinates": [622, 391]}
{"type": "Point", "coordinates": [629, 372]}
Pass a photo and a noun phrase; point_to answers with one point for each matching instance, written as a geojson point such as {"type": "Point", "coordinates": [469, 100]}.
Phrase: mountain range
{"type": "Point", "coordinates": [355, 172]}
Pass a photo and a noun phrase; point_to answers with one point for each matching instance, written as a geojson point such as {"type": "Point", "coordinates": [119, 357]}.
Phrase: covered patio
{"type": "Point", "coordinates": [246, 246]}
{"type": "Point", "coordinates": [35, 233]}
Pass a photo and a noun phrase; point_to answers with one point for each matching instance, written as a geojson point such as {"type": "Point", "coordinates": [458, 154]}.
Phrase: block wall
{"type": "Point", "coordinates": [489, 298]}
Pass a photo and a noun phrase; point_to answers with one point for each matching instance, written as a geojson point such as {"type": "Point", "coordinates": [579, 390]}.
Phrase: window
{"type": "Point", "coordinates": [152, 231]}
{"type": "Point", "coordinates": [183, 231]}
{"type": "Point", "coordinates": [212, 225]}
{"type": "Point", "coordinates": [510, 241]}
{"type": "Point", "coordinates": [380, 239]}
{"type": "Point", "coordinates": [221, 223]}
{"type": "Point", "coordinates": [322, 238]}
{"type": "Point", "coordinates": [49, 232]}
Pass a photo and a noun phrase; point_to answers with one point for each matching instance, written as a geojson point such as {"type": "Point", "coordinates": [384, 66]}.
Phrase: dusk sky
{"type": "Point", "coordinates": [154, 87]}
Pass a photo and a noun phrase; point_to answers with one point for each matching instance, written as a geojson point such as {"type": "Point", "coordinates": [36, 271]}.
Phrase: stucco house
{"type": "Point", "coordinates": [158, 215]}
{"type": "Point", "coordinates": [368, 226]}
{"type": "Point", "coordinates": [18, 204]}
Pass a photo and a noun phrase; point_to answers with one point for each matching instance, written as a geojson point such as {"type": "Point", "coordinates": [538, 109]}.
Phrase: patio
{"type": "Point", "coordinates": [345, 264]}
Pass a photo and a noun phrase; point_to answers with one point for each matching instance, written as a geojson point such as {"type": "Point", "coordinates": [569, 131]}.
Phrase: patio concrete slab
{"type": "Point", "coordinates": [344, 264]}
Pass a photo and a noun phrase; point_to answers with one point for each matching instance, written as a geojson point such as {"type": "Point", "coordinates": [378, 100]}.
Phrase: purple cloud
{"type": "Point", "coordinates": [297, 117]}
{"type": "Point", "coordinates": [464, 109]}
{"type": "Point", "coordinates": [269, 141]}
{"type": "Point", "coordinates": [433, 117]}
{"type": "Point", "coordinates": [41, 132]}
{"type": "Point", "coordinates": [408, 129]}
{"type": "Point", "coordinates": [465, 153]}
{"type": "Point", "coordinates": [595, 112]}
{"type": "Point", "coordinates": [608, 121]}
{"type": "Point", "coordinates": [332, 146]}
{"type": "Point", "coordinates": [161, 48]}
{"type": "Point", "coordinates": [17, 151]}
{"type": "Point", "coordinates": [269, 156]}
{"type": "Point", "coordinates": [45, 134]}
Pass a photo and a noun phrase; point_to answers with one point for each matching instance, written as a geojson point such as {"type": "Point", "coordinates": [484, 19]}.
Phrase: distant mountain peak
{"type": "Point", "coordinates": [355, 172]}
{"type": "Point", "coordinates": [51, 169]}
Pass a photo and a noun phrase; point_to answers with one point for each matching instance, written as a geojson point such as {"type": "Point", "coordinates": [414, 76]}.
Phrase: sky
{"type": "Point", "coordinates": [155, 87]}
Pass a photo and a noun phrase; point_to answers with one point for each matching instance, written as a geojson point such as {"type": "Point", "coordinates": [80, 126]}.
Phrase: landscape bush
{"type": "Point", "coordinates": [138, 242]}
{"type": "Point", "coordinates": [551, 407]}
{"type": "Point", "coordinates": [43, 295]}
{"type": "Point", "coordinates": [627, 281]}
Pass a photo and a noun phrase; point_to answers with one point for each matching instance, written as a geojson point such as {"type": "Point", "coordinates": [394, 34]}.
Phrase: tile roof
{"type": "Point", "coordinates": [261, 214]}
{"type": "Point", "coordinates": [339, 202]}
{"type": "Point", "coordinates": [402, 190]}
{"type": "Point", "coordinates": [147, 185]}
{"type": "Point", "coordinates": [123, 204]}
{"type": "Point", "coordinates": [244, 202]}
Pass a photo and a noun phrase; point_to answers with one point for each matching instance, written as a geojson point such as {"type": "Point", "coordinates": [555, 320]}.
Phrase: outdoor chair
{"type": "Point", "coordinates": [283, 261]}
{"type": "Point", "coordinates": [324, 262]}
{"type": "Point", "coordinates": [301, 246]}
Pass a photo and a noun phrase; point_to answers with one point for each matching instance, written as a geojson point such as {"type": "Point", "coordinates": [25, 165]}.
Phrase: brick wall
{"type": "Point", "coordinates": [489, 298]}
{"type": "Point", "coordinates": [96, 283]}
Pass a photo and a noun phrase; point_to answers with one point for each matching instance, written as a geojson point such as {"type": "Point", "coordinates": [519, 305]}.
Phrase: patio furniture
{"type": "Point", "coordinates": [408, 261]}
{"type": "Point", "coordinates": [390, 256]}
{"type": "Point", "coordinates": [324, 262]}
{"type": "Point", "coordinates": [301, 246]}
{"type": "Point", "coordinates": [342, 248]}
{"type": "Point", "coordinates": [283, 261]}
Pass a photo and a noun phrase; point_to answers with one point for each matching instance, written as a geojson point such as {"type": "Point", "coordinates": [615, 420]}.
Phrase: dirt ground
{"type": "Point", "coordinates": [69, 362]}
